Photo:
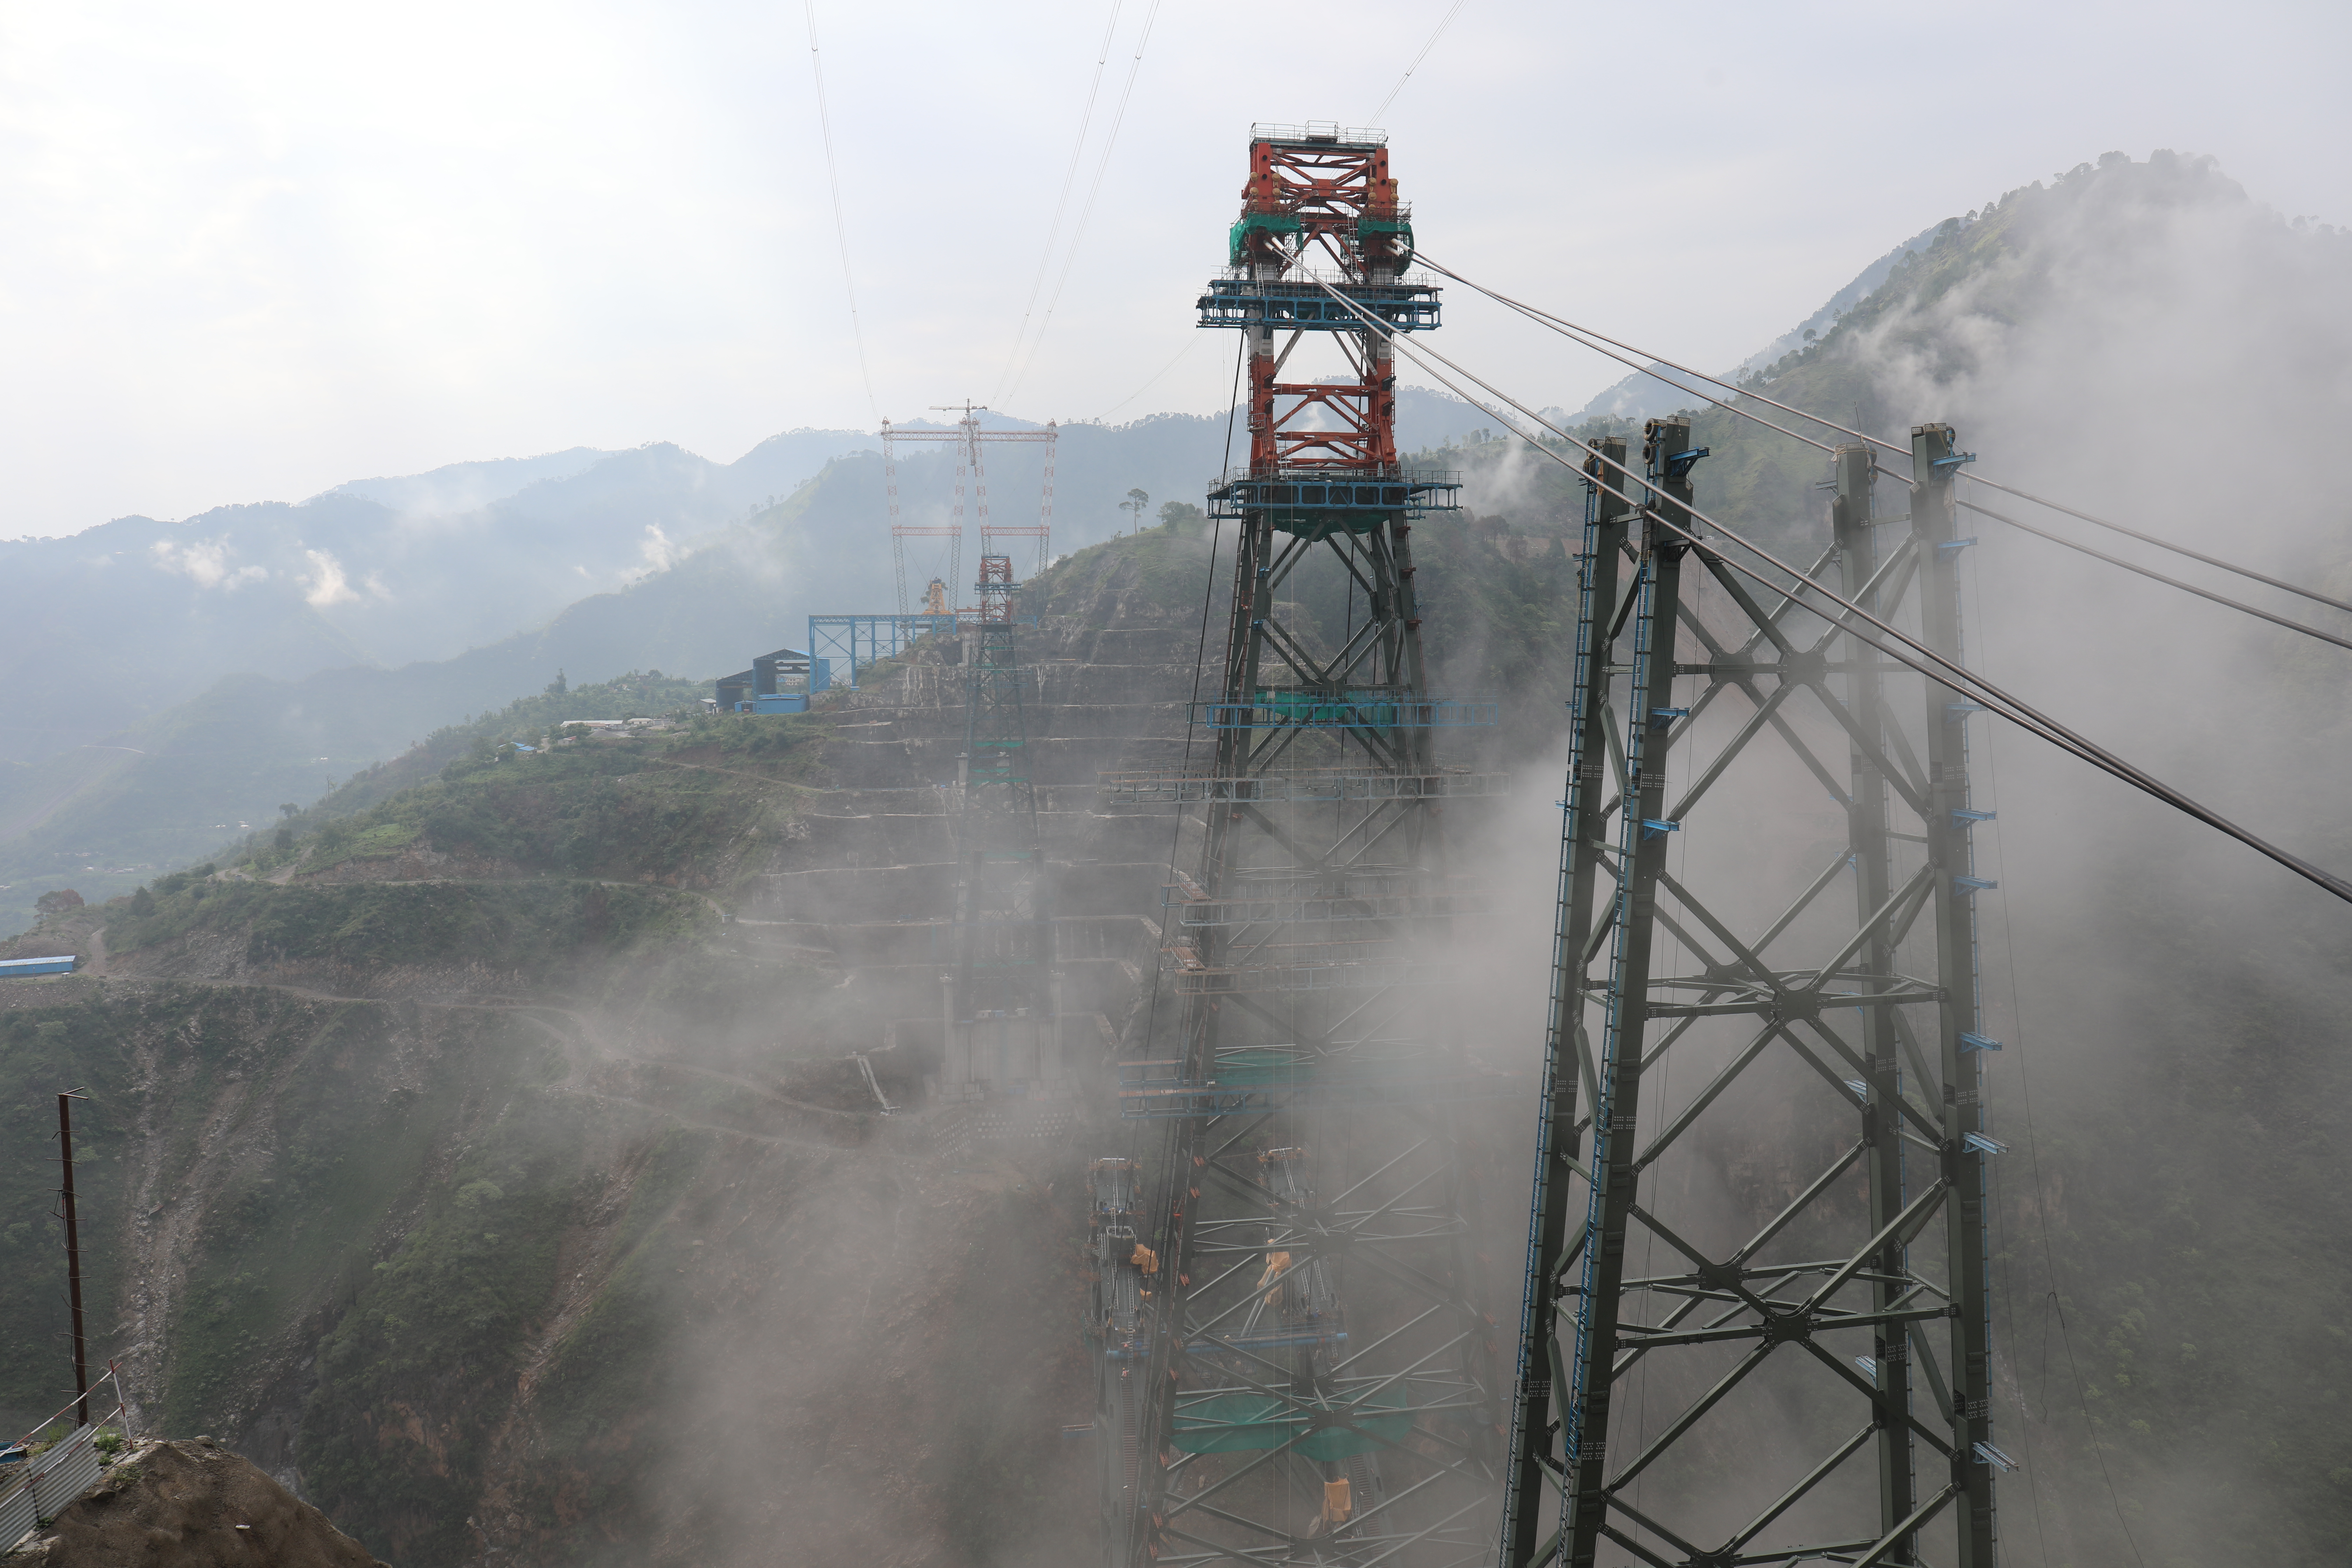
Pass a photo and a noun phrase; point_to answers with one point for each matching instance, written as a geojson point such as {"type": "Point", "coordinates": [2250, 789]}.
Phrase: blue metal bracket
{"type": "Point", "coordinates": [1955, 460]}
{"type": "Point", "coordinates": [1963, 708]}
{"type": "Point", "coordinates": [1978, 1143]}
{"type": "Point", "coordinates": [1861, 1090]}
{"type": "Point", "coordinates": [1955, 545]}
{"type": "Point", "coordinates": [1988, 1454]}
{"type": "Point", "coordinates": [1964, 819]}
{"type": "Point", "coordinates": [1978, 1043]}
{"type": "Point", "coordinates": [1680, 464]}
{"type": "Point", "coordinates": [1972, 885]}
{"type": "Point", "coordinates": [1651, 827]}
{"type": "Point", "coordinates": [1869, 1365]}
{"type": "Point", "coordinates": [1662, 717]}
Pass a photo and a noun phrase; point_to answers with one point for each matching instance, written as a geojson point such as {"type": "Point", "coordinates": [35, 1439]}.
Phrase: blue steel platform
{"type": "Point", "coordinates": [1406, 307]}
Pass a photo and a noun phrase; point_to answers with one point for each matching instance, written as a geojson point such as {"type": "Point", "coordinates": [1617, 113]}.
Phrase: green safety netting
{"type": "Point", "coordinates": [1246, 1068]}
{"type": "Point", "coordinates": [1259, 222]}
{"type": "Point", "coordinates": [1225, 1423]}
{"type": "Point", "coordinates": [1305, 707]}
{"type": "Point", "coordinates": [1401, 228]}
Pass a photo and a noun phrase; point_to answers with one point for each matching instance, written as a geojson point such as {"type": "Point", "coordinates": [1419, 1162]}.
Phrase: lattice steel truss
{"type": "Point", "coordinates": [934, 595]}
{"type": "Point", "coordinates": [1797, 1371]}
{"type": "Point", "coordinates": [1321, 1381]}
{"type": "Point", "coordinates": [1002, 1017]}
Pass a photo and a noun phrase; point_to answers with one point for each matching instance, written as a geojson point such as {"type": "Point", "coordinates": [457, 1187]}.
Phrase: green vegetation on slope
{"type": "Point", "coordinates": [174, 788]}
{"type": "Point", "coordinates": [412, 1379]}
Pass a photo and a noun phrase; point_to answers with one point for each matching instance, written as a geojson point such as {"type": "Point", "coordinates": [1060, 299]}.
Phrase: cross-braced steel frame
{"type": "Point", "coordinates": [1321, 1377]}
{"type": "Point", "coordinates": [968, 439]}
{"type": "Point", "coordinates": [1003, 1014]}
{"type": "Point", "coordinates": [1797, 1371]}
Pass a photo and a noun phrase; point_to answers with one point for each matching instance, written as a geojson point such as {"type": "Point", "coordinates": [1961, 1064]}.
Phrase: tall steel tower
{"type": "Point", "coordinates": [1792, 1366]}
{"type": "Point", "coordinates": [971, 467]}
{"type": "Point", "coordinates": [1002, 1021]}
{"type": "Point", "coordinates": [1317, 1373]}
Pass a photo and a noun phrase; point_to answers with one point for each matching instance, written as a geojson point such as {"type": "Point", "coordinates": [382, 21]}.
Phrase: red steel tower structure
{"type": "Point", "coordinates": [1307, 1372]}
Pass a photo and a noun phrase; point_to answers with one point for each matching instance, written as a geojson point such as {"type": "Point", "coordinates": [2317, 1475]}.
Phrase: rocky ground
{"type": "Point", "coordinates": [192, 1504]}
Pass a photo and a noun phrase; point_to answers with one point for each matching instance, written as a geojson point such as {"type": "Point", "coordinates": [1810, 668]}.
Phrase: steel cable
{"type": "Point", "coordinates": [2308, 631]}
{"type": "Point", "coordinates": [1061, 205]}
{"type": "Point", "coordinates": [1731, 407]}
{"type": "Point", "coordinates": [1581, 333]}
{"type": "Point", "coordinates": [1078, 230]}
{"type": "Point", "coordinates": [1399, 87]}
{"type": "Point", "coordinates": [1952, 675]}
{"type": "Point", "coordinates": [840, 224]}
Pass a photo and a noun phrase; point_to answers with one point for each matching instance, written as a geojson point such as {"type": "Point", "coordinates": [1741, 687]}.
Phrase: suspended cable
{"type": "Point", "coordinates": [1190, 345]}
{"type": "Point", "coordinates": [1727, 405]}
{"type": "Point", "coordinates": [1374, 117]}
{"type": "Point", "coordinates": [1945, 673]}
{"type": "Point", "coordinates": [1069, 178]}
{"type": "Point", "coordinates": [2158, 576]}
{"type": "Point", "coordinates": [2025, 717]}
{"type": "Point", "coordinates": [1569, 329]}
{"type": "Point", "coordinates": [2160, 543]}
{"type": "Point", "coordinates": [1070, 257]}
{"type": "Point", "coordinates": [1577, 336]}
{"type": "Point", "coordinates": [1579, 333]}
{"type": "Point", "coordinates": [840, 225]}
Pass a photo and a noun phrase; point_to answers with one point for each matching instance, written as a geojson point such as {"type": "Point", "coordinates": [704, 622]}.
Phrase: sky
{"type": "Point", "coordinates": [252, 251]}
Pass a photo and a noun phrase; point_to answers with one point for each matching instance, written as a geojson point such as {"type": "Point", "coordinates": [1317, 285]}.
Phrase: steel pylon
{"type": "Point", "coordinates": [1002, 1023]}
{"type": "Point", "coordinates": [1316, 1372]}
{"type": "Point", "coordinates": [1792, 1369]}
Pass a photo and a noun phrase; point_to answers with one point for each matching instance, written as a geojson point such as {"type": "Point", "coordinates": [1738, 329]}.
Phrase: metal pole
{"type": "Point", "coordinates": [1858, 559]}
{"type": "Point", "coordinates": [1643, 838]}
{"type": "Point", "coordinates": [1951, 853]}
{"type": "Point", "coordinates": [1585, 834]}
{"type": "Point", "coordinates": [73, 1259]}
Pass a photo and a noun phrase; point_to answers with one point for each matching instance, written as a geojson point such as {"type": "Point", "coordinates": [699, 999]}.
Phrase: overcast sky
{"type": "Point", "coordinates": [250, 251]}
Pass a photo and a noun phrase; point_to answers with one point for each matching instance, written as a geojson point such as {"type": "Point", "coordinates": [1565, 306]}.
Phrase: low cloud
{"type": "Point", "coordinates": [326, 583]}
{"type": "Point", "coordinates": [205, 563]}
{"type": "Point", "coordinates": [657, 550]}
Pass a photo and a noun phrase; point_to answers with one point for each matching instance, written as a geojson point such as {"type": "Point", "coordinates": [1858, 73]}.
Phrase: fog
{"type": "Point", "coordinates": [2157, 348]}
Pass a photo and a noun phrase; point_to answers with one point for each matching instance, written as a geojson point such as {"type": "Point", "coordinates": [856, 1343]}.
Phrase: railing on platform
{"type": "Point", "coordinates": [850, 643]}
{"type": "Point", "coordinates": [1176, 786]}
{"type": "Point", "coordinates": [1319, 132]}
{"type": "Point", "coordinates": [1324, 908]}
{"type": "Point", "coordinates": [1339, 495]}
{"type": "Point", "coordinates": [1203, 980]}
{"type": "Point", "coordinates": [1243, 302]}
{"type": "Point", "coordinates": [1267, 1077]}
{"type": "Point", "coordinates": [1284, 710]}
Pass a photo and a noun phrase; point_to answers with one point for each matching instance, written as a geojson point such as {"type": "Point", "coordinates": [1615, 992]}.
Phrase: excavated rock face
{"type": "Point", "coordinates": [191, 1504]}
